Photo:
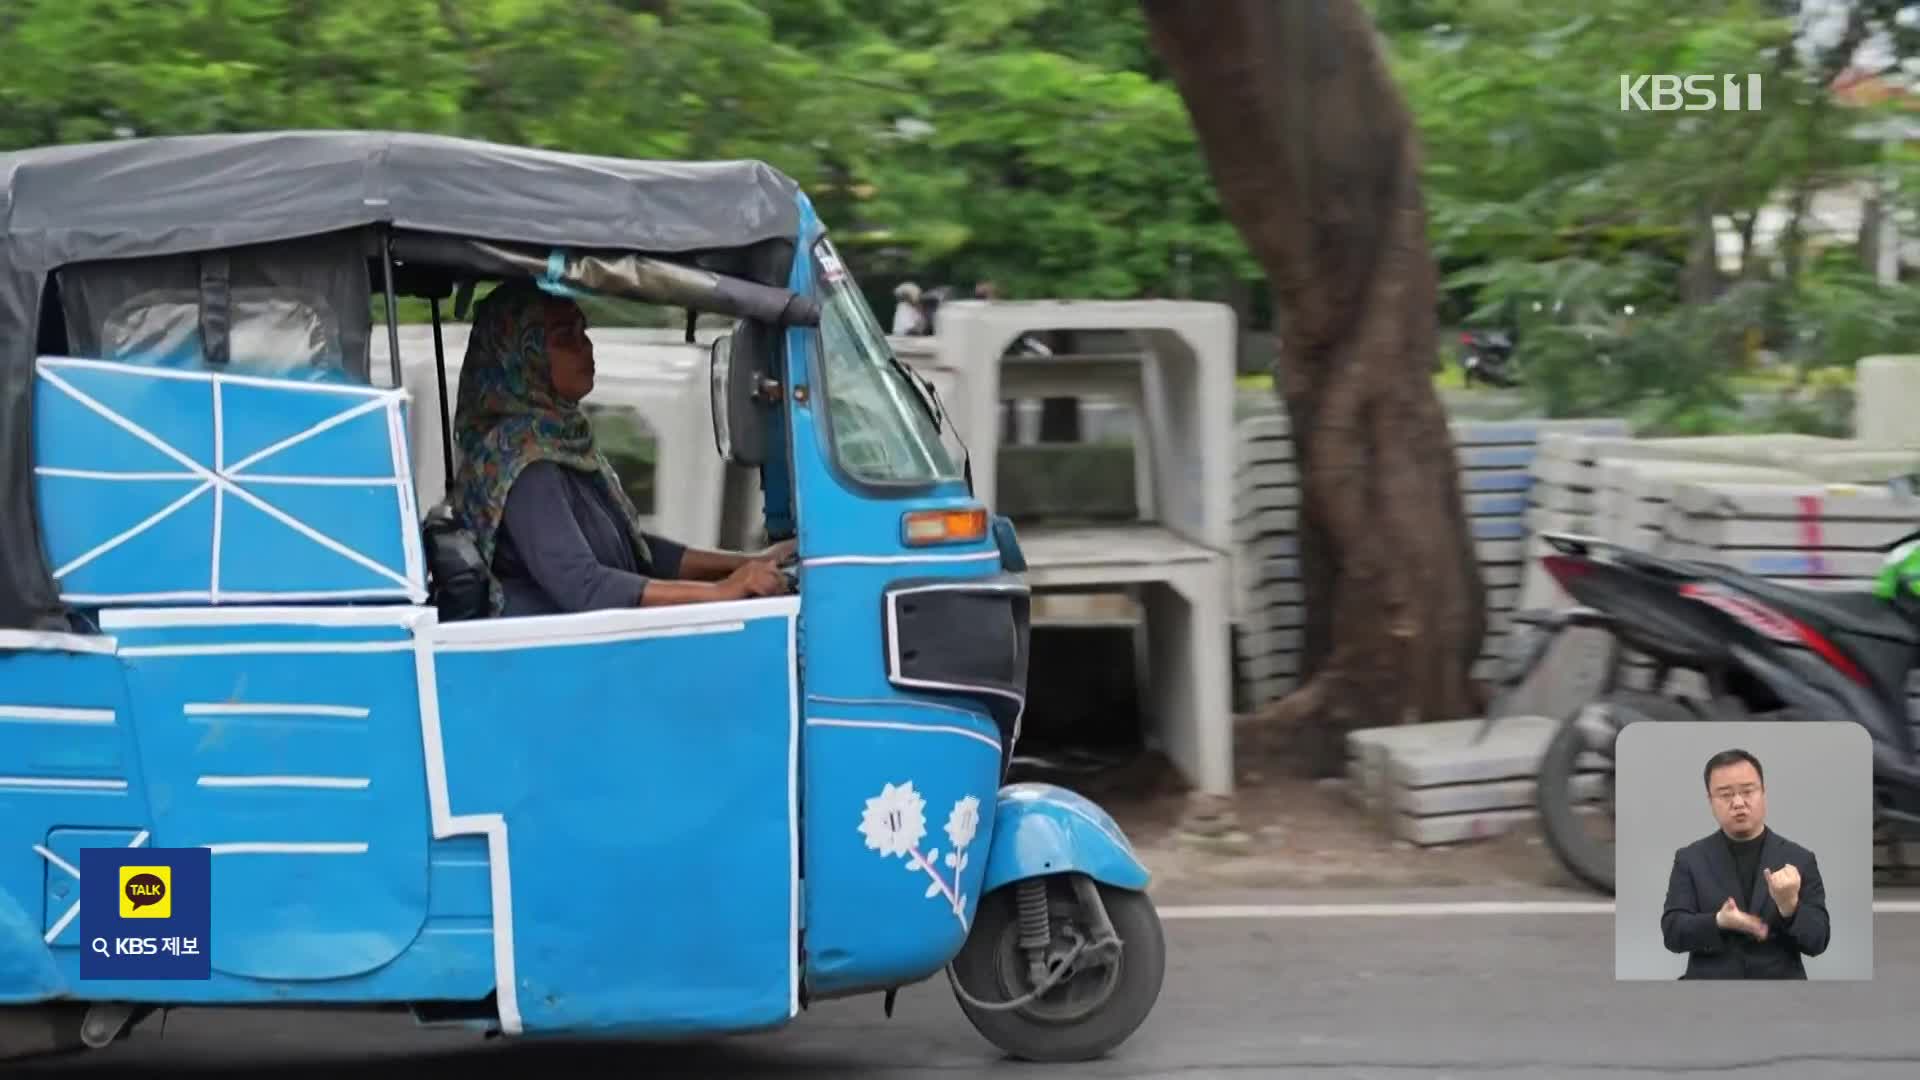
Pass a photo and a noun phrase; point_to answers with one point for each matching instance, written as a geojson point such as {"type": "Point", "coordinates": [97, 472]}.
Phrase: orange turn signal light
{"type": "Point", "coordinates": [943, 526]}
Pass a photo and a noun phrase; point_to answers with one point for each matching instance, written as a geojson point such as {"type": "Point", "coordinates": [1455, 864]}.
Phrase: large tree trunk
{"type": "Point", "coordinates": [1313, 153]}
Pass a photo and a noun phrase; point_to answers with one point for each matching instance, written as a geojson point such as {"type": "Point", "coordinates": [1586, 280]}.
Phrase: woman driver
{"type": "Point", "coordinates": [544, 506]}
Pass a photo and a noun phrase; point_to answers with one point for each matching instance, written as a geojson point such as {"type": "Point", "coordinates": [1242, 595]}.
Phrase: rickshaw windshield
{"type": "Point", "coordinates": [882, 430]}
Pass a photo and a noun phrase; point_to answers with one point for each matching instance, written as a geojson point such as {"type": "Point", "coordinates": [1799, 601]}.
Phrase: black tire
{"type": "Point", "coordinates": [1585, 858]}
{"type": "Point", "coordinates": [31, 1034]}
{"type": "Point", "coordinates": [1094, 1010]}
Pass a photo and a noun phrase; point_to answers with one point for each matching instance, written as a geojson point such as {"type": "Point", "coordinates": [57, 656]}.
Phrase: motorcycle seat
{"type": "Point", "coordinates": [1851, 611]}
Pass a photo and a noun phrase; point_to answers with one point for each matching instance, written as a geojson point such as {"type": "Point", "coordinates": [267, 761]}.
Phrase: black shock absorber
{"type": "Point", "coordinates": [1036, 925]}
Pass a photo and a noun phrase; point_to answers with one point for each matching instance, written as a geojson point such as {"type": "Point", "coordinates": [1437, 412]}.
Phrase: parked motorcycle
{"type": "Point", "coordinates": [1764, 651]}
{"type": "Point", "coordinates": [1488, 358]}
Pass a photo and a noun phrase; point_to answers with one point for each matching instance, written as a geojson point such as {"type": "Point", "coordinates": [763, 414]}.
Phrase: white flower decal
{"type": "Point", "coordinates": [964, 821]}
{"type": "Point", "coordinates": [962, 824]}
{"type": "Point", "coordinates": [895, 822]}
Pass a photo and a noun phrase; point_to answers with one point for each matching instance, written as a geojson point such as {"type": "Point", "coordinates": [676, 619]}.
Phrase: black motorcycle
{"type": "Point", "coordinates": [1763, 652]}
{"type": "Point", "coordinates": [1487, 357]}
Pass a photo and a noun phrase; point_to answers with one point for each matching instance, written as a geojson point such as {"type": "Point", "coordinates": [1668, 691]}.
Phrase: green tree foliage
{"type": "Point", "coordinates": [1030, 141]}
{"type": "Point", "coordinates": [1038, 143]}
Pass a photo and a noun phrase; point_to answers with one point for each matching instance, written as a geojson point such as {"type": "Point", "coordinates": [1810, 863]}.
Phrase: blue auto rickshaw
{"type": "Point", "coordinates": [226, 624]}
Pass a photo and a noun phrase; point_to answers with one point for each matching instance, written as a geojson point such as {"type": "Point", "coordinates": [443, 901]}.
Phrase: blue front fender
{"type": "Point", "coordinates": [1040, 829]}
{"type": "Point", "coordinates": [26, 968]}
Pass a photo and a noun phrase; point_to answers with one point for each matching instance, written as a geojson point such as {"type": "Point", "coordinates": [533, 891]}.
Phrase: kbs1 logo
{"type": "Point", "coordinates": [146, 913]}
{"type": "Point", "coordinates": [1690, 93]}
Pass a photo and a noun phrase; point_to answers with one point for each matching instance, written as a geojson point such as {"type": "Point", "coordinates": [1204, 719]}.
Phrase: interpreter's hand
{"type": "Point", "coordinates": [1730, 917]}
{"type": "Point", "coordinates": [755, 578]}
{"type": "Point", "coordinates": [1784, 884]}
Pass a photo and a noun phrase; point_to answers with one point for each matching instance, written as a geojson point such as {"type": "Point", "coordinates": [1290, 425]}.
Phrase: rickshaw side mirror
{"type": "Point", "coordinates": [739, 395]}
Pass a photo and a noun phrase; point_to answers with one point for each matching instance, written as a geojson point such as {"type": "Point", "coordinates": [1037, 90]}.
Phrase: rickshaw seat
{"type": "Point", "coordinates": [457, 580]}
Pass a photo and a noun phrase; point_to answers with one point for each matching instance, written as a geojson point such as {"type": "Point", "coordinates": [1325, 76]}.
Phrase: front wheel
{"type": "Point", "coordinates": [1092, 995]}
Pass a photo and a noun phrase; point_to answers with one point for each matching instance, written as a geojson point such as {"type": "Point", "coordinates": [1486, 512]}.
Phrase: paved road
{"type": "Point", "coordinates": [1422, 992]}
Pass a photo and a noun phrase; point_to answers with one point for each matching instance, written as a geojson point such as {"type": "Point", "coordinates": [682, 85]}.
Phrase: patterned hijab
{"type": "Point", "coordinates": [508, 416]}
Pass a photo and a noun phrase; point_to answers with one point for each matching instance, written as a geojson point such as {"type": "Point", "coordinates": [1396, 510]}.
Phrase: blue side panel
{"type": "Point", "coordinates": [256, 418]}
{"type": "Point", "coordinates": [66, 759]}
{"type": "Point", "coordinates": [61, 927]}
{"type": "Point", "coordinates": [364, 520]}
{"type": "Point", "coordinates": [84, 768]}
{"type": "Point", "coordinates": [1042, 829]}
{"type": "Point", "coordinates": [456, 944]}
{"type": "Point", "coordinates": [899, 819]}
{"type": "Point", "coordinates": [167, 559]}
{"type": "Point", "coordinates": [141, 411]}
{"type": "Point", "coordinates": [646, 792]}
{"type": "Point", "coordinates": [157, 486]}
{"type": "Point", "coordinates": [303, 770]}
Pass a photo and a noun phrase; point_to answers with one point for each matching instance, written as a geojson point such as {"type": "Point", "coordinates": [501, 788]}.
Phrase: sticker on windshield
{"type": "Point", "coordinates": [830, 263]}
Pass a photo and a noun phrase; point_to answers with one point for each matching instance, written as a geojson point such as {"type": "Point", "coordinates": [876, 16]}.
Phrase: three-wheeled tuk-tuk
{"type": "Point", "coordinates": [227, 626]}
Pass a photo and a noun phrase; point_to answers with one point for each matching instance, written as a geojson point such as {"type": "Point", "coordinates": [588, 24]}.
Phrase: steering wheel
{"type": "Point", "coordinates": [789, 568]}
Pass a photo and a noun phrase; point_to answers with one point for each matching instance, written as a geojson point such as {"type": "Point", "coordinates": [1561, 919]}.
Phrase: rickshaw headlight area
{"type": "Point", "coordinates": [920, 528]}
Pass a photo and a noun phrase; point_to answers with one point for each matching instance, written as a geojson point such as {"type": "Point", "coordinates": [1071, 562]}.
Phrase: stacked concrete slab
{"type": "Point", "coordinates": [1269, 606]}
{"type": "Point", "coordinates": [1494, 458]}
{"type": "Point", "coordinates": [1431, 784]}
{"type": "Point", "coordinates": [1496, 461]}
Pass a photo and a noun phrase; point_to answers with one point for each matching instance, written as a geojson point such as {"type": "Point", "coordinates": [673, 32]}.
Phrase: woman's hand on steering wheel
{"type": "Point", "coordinates": [780, 554]}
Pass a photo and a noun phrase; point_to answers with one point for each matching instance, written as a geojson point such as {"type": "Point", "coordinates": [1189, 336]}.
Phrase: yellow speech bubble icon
{"type": "Point", "coordinates": [146, 892]}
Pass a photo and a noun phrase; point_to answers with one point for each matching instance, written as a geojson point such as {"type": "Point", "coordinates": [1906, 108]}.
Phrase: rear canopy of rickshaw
{"type": "Point", "coordinates": [103, 244]}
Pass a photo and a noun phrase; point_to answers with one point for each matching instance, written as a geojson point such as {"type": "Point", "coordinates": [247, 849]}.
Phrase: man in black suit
{"type": "Point", "coordinates": [1745, 902]}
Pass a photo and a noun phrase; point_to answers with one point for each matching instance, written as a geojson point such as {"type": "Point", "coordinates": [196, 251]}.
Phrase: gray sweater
{"type": "Point", "coordinates": [564, 546]}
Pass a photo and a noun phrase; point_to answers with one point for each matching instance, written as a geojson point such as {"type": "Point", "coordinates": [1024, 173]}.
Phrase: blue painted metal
{"type": "Point", "coordinates": [204, 462]}
{"type": "Point", "coordinates": [1043, 829]}
{"type": "Point", "coordinates": [900, 811]}
{"type": "Point", "coordinates": [874, 920]}
{"type": "Point", "coordinates": [598, 822]}
{"type": "Point", "coordinates": [301, 810]}
{"type": "Point", "coordinates": [649, 814]}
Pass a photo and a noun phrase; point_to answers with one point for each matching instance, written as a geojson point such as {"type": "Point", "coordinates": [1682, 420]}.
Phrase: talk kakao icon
{"type": "Point", "coordinates": [145, 913]}
{"type": "Point", "coordinates": [146, 892]}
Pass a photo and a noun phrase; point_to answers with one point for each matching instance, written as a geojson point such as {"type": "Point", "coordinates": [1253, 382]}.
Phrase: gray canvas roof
{"type": "Point", "coordinates": [139, 198]}
{"type": "Point", "coordinates": [165, 195]}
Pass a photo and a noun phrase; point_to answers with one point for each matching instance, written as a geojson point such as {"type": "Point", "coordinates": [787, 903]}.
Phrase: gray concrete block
{"type": "Point", "coordinates": [1511, 751]}
{"type": "Point", "coordinates": [1493, 795]}
{"type": "Point", "coordinates": [1812, 534]}
{"type": "Point", "coordinates": [1277, 593]}
{"type": "Point", "coordinates": [1788, 562]}
{"type": "Point", "coordinates": [1259, 453]}
{"type": "Point", "coordinates": [1459, 828]}
{"type": "Point", "coordinates": [1268, 498]}
{"type": "Point", "coordinates": [1502, 574]}
{"type": "Point", "coordinates": [1267, 640]}
{"type": "Point", "coordinates": [1273, 425]}
{"type": "Point", "coordinates": [1500, 551]}
{"type": "Point", "coordinates": [1266, 473]}
{"type": "Point", "coordinates": [1259, 523]}
{"type": "Point", "coordinates": [1828, 502]}
{"type": "Point", "coordinates": [1475, 481]}
{"type": "Point", "coordinates": [1271, 665]}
